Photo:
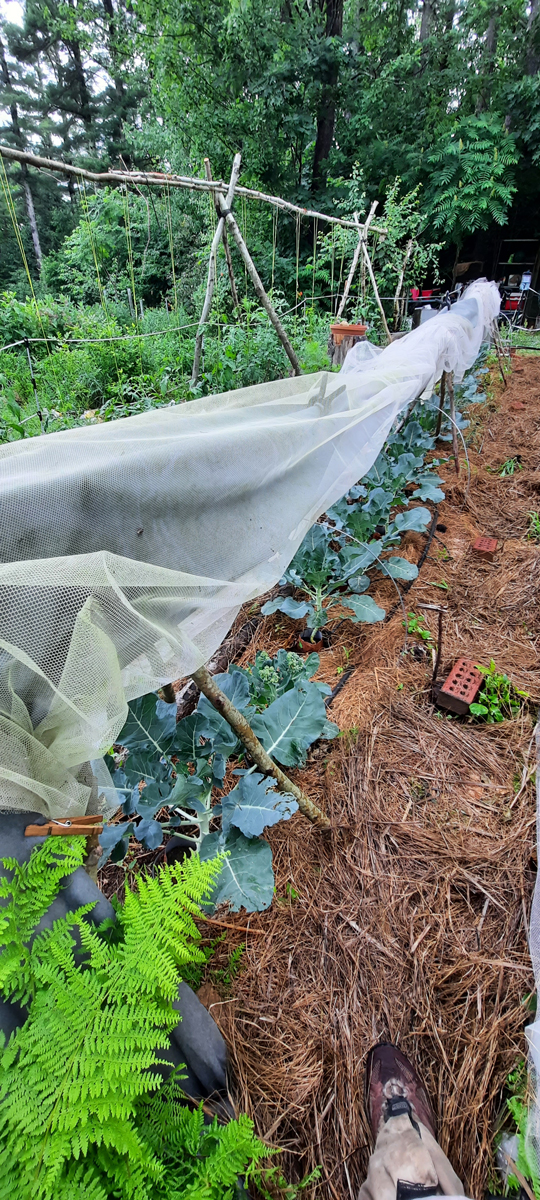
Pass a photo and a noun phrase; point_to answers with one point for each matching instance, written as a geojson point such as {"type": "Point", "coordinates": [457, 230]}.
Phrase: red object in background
{"type": "Point", "coordinates": [415, 292]}
{"type": "Point", "coordinates": [511, 303]}
{"type": "Point", "coordinates": [428, 293]}
{"type": "Point", "coordinates": [461, 687]}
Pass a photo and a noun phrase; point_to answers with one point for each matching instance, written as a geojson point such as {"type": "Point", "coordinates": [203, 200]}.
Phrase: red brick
{"type": "Point", "coordinates": [485, 547]}
{"type": "Point", "coordinates": [461, 687]}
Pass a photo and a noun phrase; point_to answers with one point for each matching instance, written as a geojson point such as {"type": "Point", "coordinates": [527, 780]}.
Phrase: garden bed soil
{"type": "Point", "coordinates": [409, 921]}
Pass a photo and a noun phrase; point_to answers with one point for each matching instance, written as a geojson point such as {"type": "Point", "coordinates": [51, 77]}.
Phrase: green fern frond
{"type": "Point", "coordinates": [30, 892]}
{"type": "Point", "coordinates": [202, 1162]}
{"type": "Point", "coordinates": [71, 1078]}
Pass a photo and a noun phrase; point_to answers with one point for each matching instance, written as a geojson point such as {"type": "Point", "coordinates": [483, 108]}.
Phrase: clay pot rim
{"type": "Point", "coordinates": [342, 326]}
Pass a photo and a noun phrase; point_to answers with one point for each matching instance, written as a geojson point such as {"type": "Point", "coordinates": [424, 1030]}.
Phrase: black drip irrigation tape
{"type": "Point", "coordinates": [347, 674]}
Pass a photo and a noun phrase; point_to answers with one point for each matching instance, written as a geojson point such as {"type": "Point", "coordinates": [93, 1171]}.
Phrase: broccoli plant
{"type": "Point", "coordinates": [167, 772]}
{"type": "Point", "coordinates": [327, 578]}
{"type": "Point", "coordinates": [318, 572]}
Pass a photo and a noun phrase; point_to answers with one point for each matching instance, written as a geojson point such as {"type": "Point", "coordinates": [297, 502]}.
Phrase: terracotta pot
{"type": "Point", "coordinates": [343, 330]}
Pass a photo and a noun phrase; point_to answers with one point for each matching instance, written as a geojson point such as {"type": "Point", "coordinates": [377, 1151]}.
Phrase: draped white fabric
{"type": "Point", "coordinates": [127, 548]}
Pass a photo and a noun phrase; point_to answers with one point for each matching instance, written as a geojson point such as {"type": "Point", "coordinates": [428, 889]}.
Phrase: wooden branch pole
{"type": "Point", "coordinates": [230, 270]}
{"type": "Point", "coordinates": [399, 286]}
{"type": "Point", "coordinates": [212, 270]}
{"type": "Point", "coordinates": [161, 178]}
{"type": "Point", "coordinates": [455, 444]}
{"type": "Point", "coordinates": [354, 263]}
{"type": "Point", "coordinates": [226, 247]}
{"type": "Point", "coordinates": [259, 289]}
{"type": "Point", "coordinates": [238, 722]}
{"type": "Point", "coordinates": [375, 289]}
{"type": "Point", "coordinates": [442, 393]}
{"type": "Point", "coordinates": [498, 349]}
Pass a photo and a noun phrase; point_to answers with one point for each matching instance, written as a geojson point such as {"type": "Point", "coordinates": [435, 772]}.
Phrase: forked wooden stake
{"type": "Point", "coordinates": [499, 351]}
{"type": "Point", "coordinates": [357, 252]}
{"type": "Point", "coordinates": [243, 730]}
{"type": "Point", "coordinates": [258, 286]}
{"type": "Point", "coordinates": [441, 404]}
{"type": "Point", "coordinates": [374, 284]}
{"type": "Point", "coordinates": [212, 270]}
{"type": "Point", "coordinates": [226, 247]}
{"type": "Point", "coordinates": [397, 300]}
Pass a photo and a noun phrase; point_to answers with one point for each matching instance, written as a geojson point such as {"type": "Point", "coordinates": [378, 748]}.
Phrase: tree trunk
{"type": "Point", "coordinates": [28, 198]}
{"type": "Point", "coordinates": [484, 97]}
{"type": "Point", "coordinates": [31, 216]}
{"type": "Point", "coordinates": [532, 61]}
{"type": "Point", "coordinates": [427, 18]}
{"type": "Point", "coordinates": [119, 87]}
{"type": "Point", "coordinates": [85, 103]}
{"type": "Point", "coordinates": [326, 116]}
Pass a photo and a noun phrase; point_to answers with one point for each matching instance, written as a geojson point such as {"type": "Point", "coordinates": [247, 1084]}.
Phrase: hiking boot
{"type": "Point", "coordinates": [392, 1087]}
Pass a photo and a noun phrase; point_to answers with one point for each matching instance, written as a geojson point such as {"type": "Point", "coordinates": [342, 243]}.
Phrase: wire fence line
{"type": "Point", "coordinates": [121, 337]}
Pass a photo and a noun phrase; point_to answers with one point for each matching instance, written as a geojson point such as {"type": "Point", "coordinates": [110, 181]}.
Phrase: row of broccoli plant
{"type": "Point", "coordinates": [168, 774]}
{"type": "Point", "coordinates": [333, 566]}
{"type": "Point", "coordinates": [359, 535]}
{"type": "Point", "coordinates": [178, 767]}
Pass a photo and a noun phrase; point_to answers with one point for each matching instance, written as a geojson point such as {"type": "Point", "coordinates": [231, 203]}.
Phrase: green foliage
{"type": "Point", "coordinates": [417, 627]}
{"type": "Point", "coordinates": [404, 248]}
{"type": "Point", "coordinates": [94, 364]}
{"type": "Point", "coordinates": [176, 767]}
{"type": "Point", "coordinates": [270, 677]}
{"type": "Point", "coordinates": [533, 531]}
{"type": "Point", "coordinates": [152, 86]}
{"type": "Point", "coordinates": [201, 1162]}
{"type": "Point", "coordinates": [472, 182]}
{"type": "Point", "coordinates": [497, 698]}
{"type": "Point", "coordinates": [517, 1104]}
{"type": "Point", "coordinates": [330, 567]}
{"type": "Point", "coordinates": [510, 467]}
{"type": "Point", "coordinates": [82, 1108]}
{"type": "Point", "coordinates": [31, 889]}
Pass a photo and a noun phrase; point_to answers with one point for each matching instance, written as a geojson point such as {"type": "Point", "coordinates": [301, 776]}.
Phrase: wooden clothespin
{"type": "Point", "coordinates": [70, 827]}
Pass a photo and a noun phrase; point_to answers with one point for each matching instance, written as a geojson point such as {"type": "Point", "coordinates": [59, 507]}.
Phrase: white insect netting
{"type": "Point", "coordinates": [127, 548]}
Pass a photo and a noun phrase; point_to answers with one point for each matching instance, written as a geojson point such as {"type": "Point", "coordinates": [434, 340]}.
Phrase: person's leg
{"type": "Point", "coordinates": [407, 1160]}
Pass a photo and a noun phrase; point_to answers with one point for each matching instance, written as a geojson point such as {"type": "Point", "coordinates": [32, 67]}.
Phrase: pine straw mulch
{"type": "Point", "coordinates": [409, 922]}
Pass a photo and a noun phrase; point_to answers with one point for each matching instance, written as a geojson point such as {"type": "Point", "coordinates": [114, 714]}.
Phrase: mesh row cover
{"type": "Point", "coordinates": [127, 548]}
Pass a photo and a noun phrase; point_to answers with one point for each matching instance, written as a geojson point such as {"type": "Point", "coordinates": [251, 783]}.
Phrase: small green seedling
{"type": "Point", "coordinates": [497, 699]}
{"type": "Point", "coordinates": [441, 584]}
{"type": "Point", "coordinates": [510, 467]}
{"type": "Point", "coordinates": [227, 974]}
{"type": "Point", "coordinates": [533, 532]}
{"type": "Point", "coordinates": [415, 625]}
